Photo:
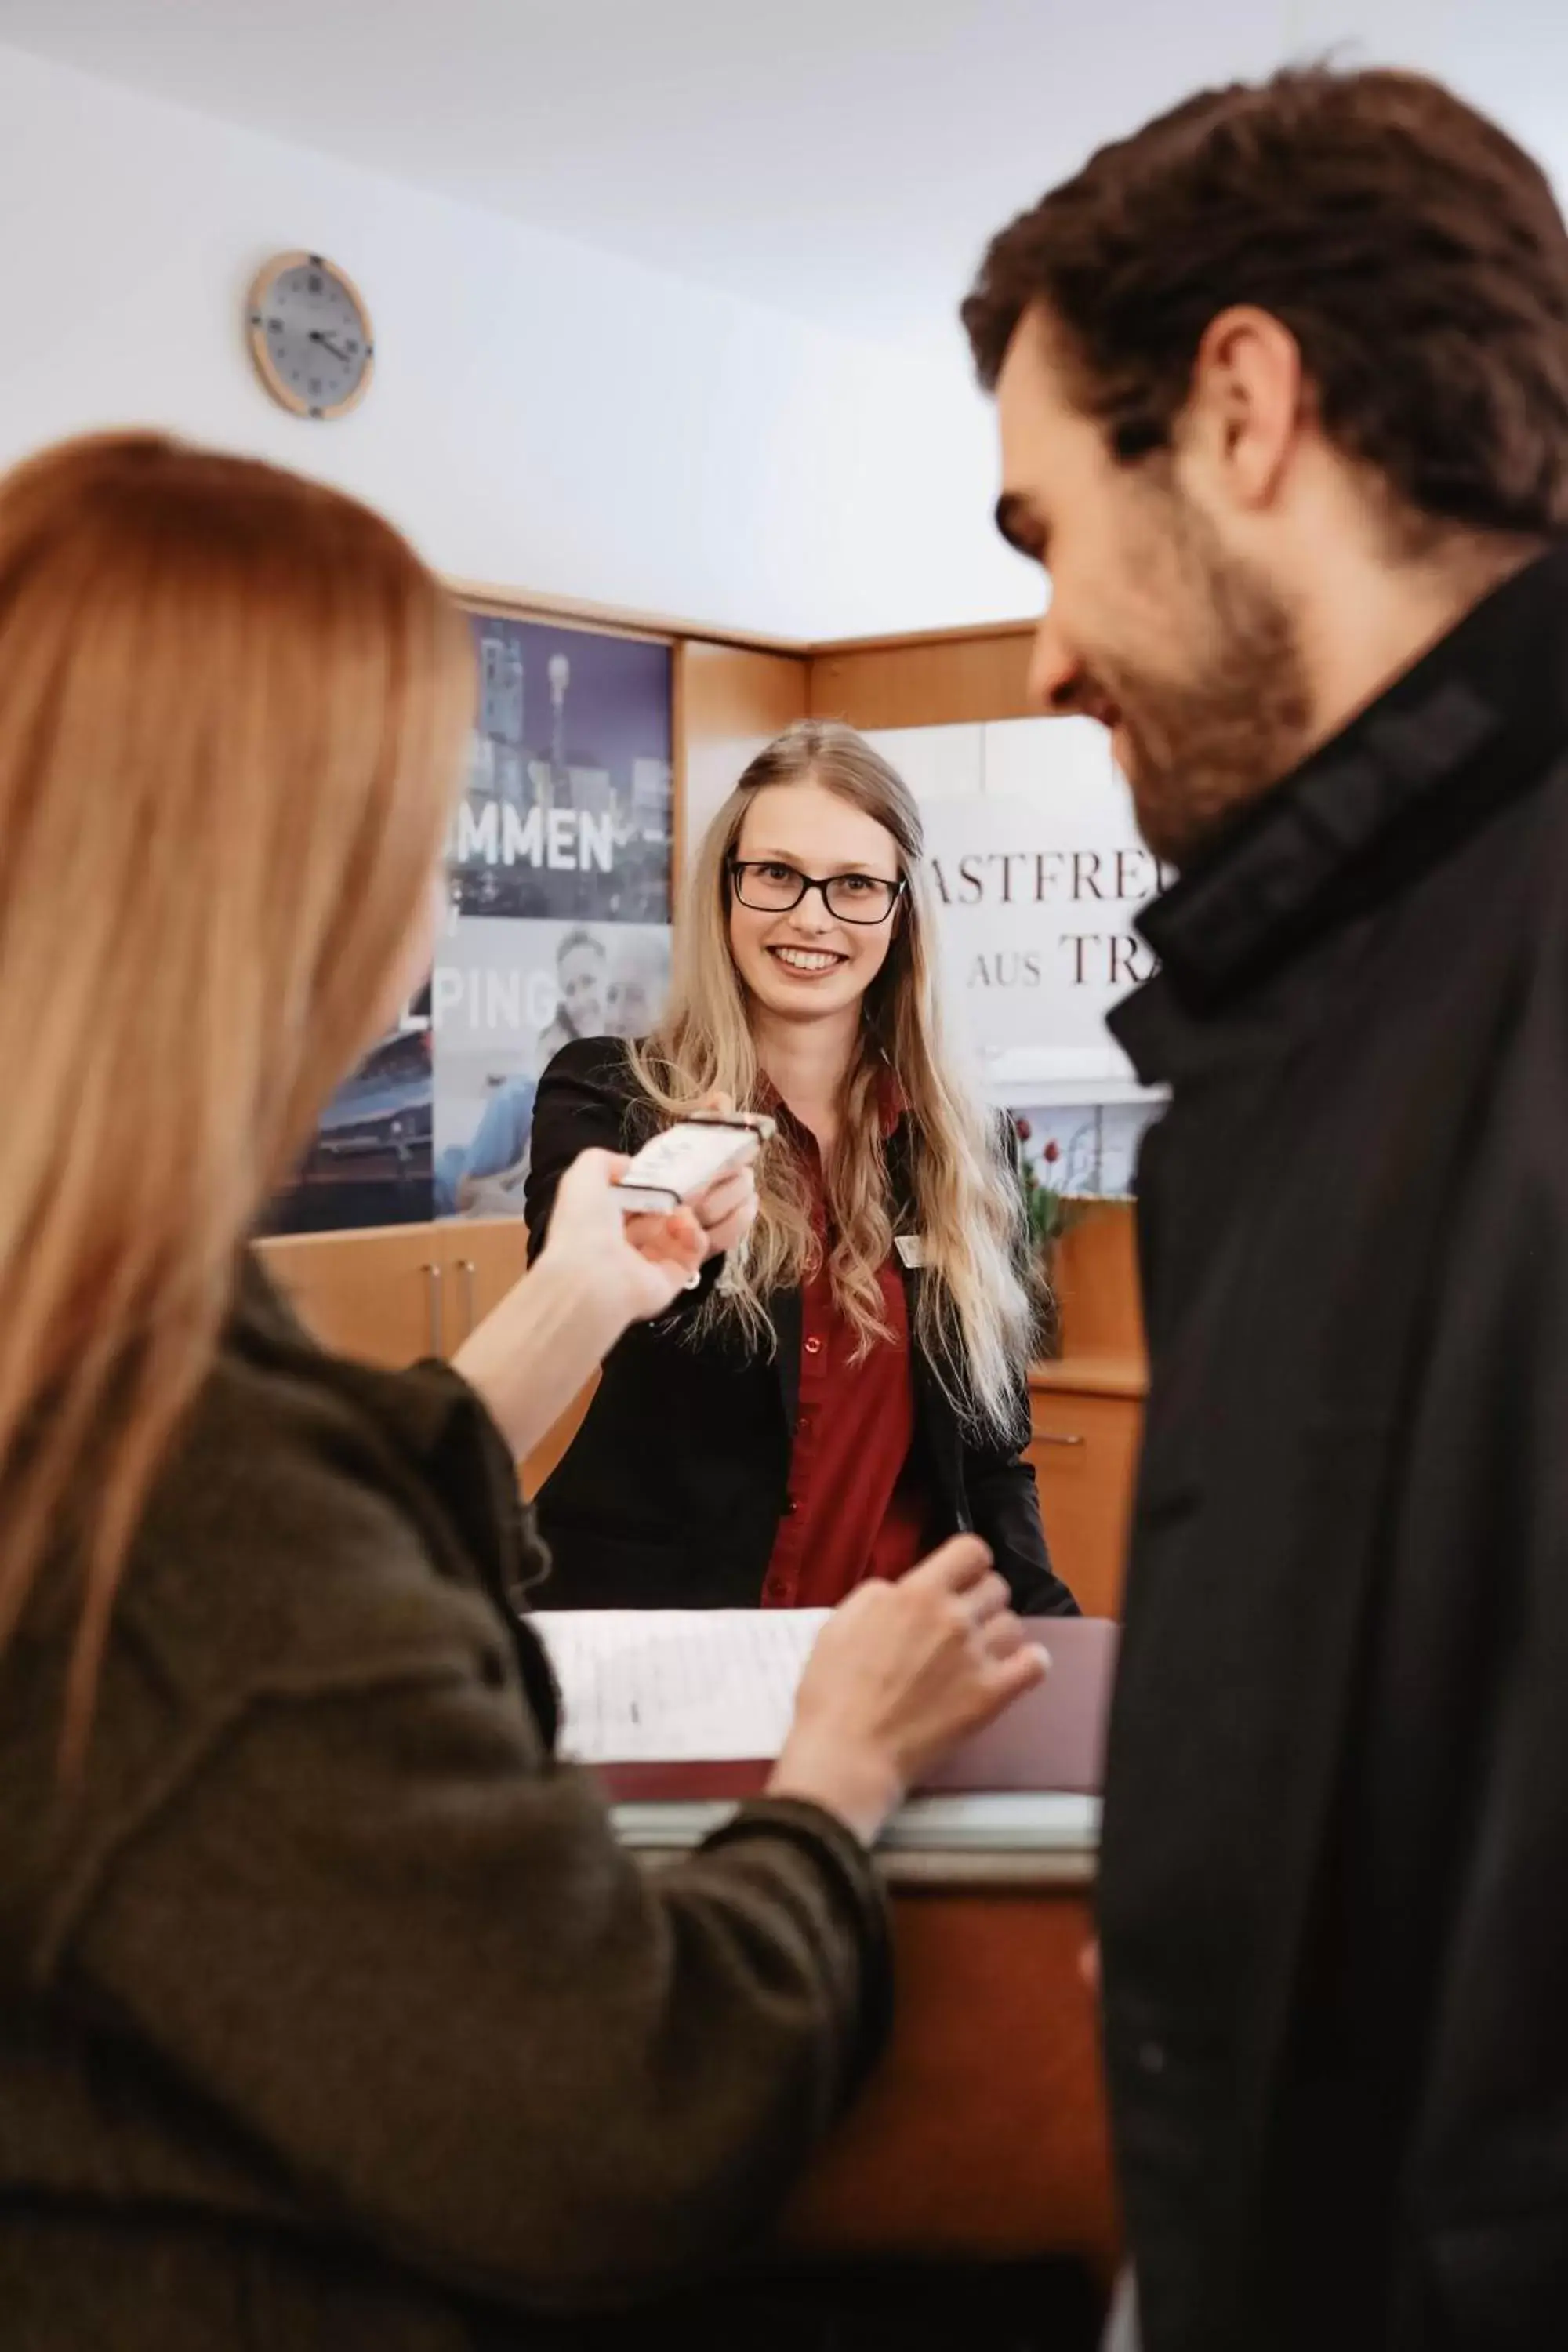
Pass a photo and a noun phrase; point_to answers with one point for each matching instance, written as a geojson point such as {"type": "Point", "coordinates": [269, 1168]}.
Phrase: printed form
{"type": "Point", "coordinates": [676, 1685]}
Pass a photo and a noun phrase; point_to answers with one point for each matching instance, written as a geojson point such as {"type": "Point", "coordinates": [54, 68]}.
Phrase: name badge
{"type": "Point", "coordinates": [911, 1250]}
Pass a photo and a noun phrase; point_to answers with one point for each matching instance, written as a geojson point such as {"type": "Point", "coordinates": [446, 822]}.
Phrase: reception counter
{"type": "Point", "coordinates": [983, 2135]}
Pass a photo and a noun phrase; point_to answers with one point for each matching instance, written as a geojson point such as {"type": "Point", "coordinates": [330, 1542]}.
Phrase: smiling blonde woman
{"type": "Point", "coordinates": [850, 1386]}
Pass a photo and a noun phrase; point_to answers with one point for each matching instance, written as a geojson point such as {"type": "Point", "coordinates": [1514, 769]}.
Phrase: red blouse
{"type": "Point", "coordinates": [858, 1505]}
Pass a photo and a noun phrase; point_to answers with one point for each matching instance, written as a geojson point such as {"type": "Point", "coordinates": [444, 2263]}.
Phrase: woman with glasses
{"type": "Point", "coordinates": [848, 1387]}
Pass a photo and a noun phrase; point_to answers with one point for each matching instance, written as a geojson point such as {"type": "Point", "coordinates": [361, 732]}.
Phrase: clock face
{"type": "Point", "coordinates": [311, 335]}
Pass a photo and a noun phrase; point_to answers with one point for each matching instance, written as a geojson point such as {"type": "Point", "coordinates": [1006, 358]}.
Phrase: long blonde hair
{"type": "Point", "coordinates": [975, 1315]}
{"type": "Point", "coordinates": [232, 706]}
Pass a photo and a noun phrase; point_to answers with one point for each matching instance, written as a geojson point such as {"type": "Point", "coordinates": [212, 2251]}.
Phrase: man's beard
{"type": "Point", "coordinates": [1202, 747]}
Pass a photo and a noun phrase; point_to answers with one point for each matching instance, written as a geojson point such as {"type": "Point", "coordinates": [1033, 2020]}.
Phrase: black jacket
{"type": "Point", "coordinates": [332, 2017]}
{"type": "Point", "coordinates": [1335, 1864]}
{"type": "Point", "coordinates": [670, 1495]}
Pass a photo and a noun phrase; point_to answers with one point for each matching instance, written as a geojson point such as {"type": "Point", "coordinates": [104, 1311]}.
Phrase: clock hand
{"type": "Point", "coordinates": [327, 343]}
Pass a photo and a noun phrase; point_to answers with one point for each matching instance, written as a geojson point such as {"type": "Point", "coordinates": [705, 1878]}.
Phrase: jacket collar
{"type": "Point", "coordinates": [1473, 721]}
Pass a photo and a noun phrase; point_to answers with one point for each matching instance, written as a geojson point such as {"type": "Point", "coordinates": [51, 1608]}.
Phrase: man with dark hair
{"type": "Point", "coordinates": [1283, 383]}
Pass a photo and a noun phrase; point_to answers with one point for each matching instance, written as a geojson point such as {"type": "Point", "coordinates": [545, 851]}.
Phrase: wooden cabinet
{"type": "Point", "coordinates": [404, 1292]}
{"type": "Point", "coordinates": [1087, 1419]}
{"type": "Point", "coordinates": [481, 1259]}
{"type": "Point", "coordinates": [1087, 1409]}
{"type": "Point", "coordinates": [377, 1296]}
{"type": "Point", "coordinates": [392, 1296]}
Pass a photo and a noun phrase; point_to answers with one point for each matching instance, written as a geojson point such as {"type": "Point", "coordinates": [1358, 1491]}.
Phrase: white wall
{"type": "Point", "coordinates": [542, 416]}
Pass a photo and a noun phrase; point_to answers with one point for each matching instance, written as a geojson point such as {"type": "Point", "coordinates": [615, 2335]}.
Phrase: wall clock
{"type": "Point", "coordinates": [311, 335]}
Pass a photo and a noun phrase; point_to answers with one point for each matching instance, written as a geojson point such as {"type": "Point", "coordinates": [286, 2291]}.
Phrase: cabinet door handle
{"type": "Point", "coordinates": [1058, 1437]}
{"type": "Point", "coordinates": [467, 1268]}
{"type": "Point", "coordinates": [432, 1273]}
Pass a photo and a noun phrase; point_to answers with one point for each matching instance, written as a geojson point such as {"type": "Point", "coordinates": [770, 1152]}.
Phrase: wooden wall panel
{"type": "Point", "coordinates": [1097, 1282]}
{"type": "Point", "coordinates": [728, 701]}
{"type": "Point", "coordinates": [925, 682]}
{"type": "Point", "coordinates": [614, 620]}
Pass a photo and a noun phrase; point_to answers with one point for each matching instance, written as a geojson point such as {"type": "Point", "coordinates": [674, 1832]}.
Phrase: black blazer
{"type": "Point", "coordinates": [671, 1493]}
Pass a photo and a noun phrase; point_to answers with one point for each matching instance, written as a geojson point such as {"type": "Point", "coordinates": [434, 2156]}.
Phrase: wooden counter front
{"type": "Point", "coordinates": [983, 2135]}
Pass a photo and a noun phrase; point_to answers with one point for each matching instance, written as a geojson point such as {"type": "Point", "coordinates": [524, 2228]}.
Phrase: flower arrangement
{"type": "Point", "coordinates": [1051, 1212]}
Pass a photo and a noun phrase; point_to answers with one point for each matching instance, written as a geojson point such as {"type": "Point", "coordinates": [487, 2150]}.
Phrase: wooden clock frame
{"type": "Point", "coordinates": [276, 266]}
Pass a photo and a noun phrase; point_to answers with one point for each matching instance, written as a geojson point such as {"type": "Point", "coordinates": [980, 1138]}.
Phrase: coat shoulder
{"type": "Point", "coordinates": [302, 1531]}
{"type": "Point", "coordinates": [292, 1546]}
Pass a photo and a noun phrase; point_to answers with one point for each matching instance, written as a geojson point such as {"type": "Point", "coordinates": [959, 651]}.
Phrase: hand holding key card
{"type": "Point", "coordinates": [599, 1272]}
{"type": "Point", "coordinates": [640, 1262]}
{"type": "Point", "coordinates": [728, 1209]}
{"type": "Point", "coordinates": [685, 1162]}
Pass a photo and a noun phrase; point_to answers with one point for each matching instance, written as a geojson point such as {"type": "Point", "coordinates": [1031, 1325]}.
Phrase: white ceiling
{"type": "Point", "coordinates": [842, 160]}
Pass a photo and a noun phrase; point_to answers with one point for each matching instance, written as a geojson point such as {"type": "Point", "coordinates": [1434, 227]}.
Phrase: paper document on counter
{"type": "Point", "coordinates": [676, 1685]}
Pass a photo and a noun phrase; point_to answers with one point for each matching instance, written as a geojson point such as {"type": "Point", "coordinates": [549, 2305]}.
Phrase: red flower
{"type": "Point", "coordinates": [1023, 1129]}
{"type": "Point", "coordinates": [1052, 1152]}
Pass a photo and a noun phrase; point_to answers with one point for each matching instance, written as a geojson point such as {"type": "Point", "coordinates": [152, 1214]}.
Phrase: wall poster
{"type": "Point", "coordinates": [557, 926]}
{"type": "Point", "coordinates": [1039, 876]}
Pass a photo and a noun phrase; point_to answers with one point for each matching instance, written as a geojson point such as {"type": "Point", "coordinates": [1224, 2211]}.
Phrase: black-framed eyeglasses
{"type": "Point", "coordinates": [770, 888]}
